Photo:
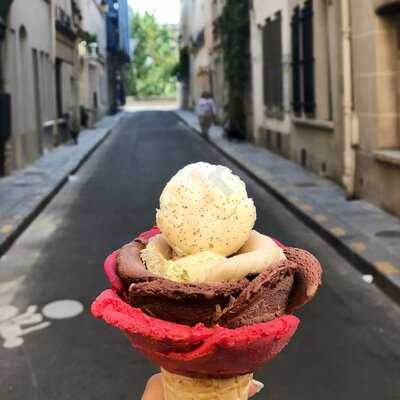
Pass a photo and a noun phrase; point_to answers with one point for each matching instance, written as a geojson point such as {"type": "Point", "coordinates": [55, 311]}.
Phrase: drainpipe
{"type": "Point", "coordinates": [53, 63]}
{"type": "Point", "coordinates": [350, 125]}
{"type": "Point", "coordinates": [2, 39]}
{"type": "Point", "coordinates": [2, 139]}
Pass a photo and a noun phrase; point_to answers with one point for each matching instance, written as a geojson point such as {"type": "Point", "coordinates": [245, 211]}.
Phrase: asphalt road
{"type": "Point", "coordinates": [348, 345]}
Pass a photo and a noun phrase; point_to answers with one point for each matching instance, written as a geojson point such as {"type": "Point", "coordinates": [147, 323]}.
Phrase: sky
{"type": "Point", "coordinates": [165, 11]}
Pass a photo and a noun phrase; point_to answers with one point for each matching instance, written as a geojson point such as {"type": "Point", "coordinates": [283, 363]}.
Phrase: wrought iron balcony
{"type": "Point", "coordinates": [5, 8]}
{"type": "Point", "coordinates": [64, 24]}
{"type": "Point", "coordinates": [386, 7]}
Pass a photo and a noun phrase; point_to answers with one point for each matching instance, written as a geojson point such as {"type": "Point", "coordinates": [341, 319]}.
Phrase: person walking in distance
{"type": "Point", "coordinates": [206, 112]}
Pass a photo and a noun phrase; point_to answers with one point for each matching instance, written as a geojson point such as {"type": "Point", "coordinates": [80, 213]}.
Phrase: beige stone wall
{"type": "Point", "coordinates": [293, 136]}
{"type": "Point", "coordinates": [376, 95]}
{"type": "Point", "coordinates": [206, 63]}
{"type": "Point", "coordinates": [28, 75]}
{"type": "Point", "coordinates": [28, 43]}
{"type": "Point", "coordinates": [326, 143]}
{"type": "Point", "coordinates": [262, 124]}
{"type": "Point", "coordinates": [379, 182]}
{"type": "Point", "coordinates": [200, 16]}
{"type": "Point", "coordinates": [320, 139]}
{"type": "Point", "coordinates": [217, 63]}
{"type": "Point", "coordinates": [375, 102]}
{"type": "Point", "coordinates": [218, 83]}
{"type": "Point", "coordinates": [93, 69]}
{"type": "Point", "coordinates": [67, 51]}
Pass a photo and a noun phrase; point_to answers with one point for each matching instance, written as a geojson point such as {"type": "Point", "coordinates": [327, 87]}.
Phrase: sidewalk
{"type": "Point", "coordinates": [26, 192]}
{"type": "Point", "coordinates": [363, 233]}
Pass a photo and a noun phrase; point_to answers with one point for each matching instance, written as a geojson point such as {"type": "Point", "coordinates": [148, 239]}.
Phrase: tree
{"type": "Point", "coordinates": [153, 69]}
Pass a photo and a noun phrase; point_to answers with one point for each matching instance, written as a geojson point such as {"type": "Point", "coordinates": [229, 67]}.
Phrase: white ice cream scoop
{"type": "Point", "coordinates": [205, 207]}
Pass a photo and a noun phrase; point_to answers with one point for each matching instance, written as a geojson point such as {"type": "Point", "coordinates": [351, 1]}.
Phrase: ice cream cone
{"type": "Point", "coordinates": [185, 388]}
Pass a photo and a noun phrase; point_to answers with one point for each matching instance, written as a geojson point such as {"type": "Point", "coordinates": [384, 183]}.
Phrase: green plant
{"type": "Point", "coordinates": [234, 30]}
{"type": "Point", "coordinates": [153, 69]}
{"type": "Point", "coordinates": [92, 38]}
{"type": "Point", "coordinates": [182, 68]}
{"type": "Point", "coordinates": [84, 115]}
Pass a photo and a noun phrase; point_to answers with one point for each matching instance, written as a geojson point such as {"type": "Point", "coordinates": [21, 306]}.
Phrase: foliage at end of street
{"type": "Point", "coordinates": [153, 69]}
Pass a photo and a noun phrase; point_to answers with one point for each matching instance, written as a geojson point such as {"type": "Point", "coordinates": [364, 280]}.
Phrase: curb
{"type": "Point", "coordinates": [385, 281]}
{"type": "Point", "coordinates": [28, 218]}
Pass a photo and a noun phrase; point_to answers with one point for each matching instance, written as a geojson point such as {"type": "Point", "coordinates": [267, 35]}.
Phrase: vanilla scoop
{"type": "Point", "coordinates": [205, 208]}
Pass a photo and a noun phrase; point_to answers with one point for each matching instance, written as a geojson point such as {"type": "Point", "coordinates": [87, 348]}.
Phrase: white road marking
{"type": "Point", "coordinates": [7, 312]}
{"type": "Point", "coordinates": [62, 309]}
{"type": "Point", "coordinates": [368, 278]}
{"type": "Point", "coordinates": [12, 323]}
{"type": "Point", "coordinates": [73, 178]}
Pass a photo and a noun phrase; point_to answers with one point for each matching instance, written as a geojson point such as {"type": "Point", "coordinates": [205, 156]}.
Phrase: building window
{"type": "Point", "coordinates": [272, 64]}
{"type": "Point", "coordinates": [303, 85]}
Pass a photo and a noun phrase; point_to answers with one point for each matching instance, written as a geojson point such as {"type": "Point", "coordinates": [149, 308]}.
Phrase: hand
{"type": "Point", "coordinates": [154, 388]}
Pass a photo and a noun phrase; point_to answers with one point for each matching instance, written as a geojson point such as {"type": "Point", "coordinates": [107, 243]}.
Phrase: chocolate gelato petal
{"type": "Point", "coordinates": [308, 277]}
{"type": "Point", "coordinates": [278, 290]}
{"type": "Point", "coordinates": [187, 304]}
{"type": "Point", "coordinates": [130, 265]}
{"type": "Point", "coordinates": [264, 298]}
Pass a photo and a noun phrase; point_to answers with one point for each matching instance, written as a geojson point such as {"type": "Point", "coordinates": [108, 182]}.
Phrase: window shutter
{"type": "Point", "coordinates": [265, 64]}
{"type": "Point", "coordinates": [308, 59]}
{"type": "Point", "coordinates": [278, 70]}
{"type": "Point", "coordinates": [270, 58]}
{"type": "Point", "coordinates": [296, 68]}
{"type": "Point", "coordinates": [272, 64]}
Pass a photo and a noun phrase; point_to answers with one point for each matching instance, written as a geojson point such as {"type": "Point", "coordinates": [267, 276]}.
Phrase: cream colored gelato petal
{"type": "Point", "coordinates": [193, 269]}
{"type": "Point", "coordinates": [205, 207]}
{"type": "Point", "coordinates": [156, 255]}
{"type": "Point", "coordinates": [158, 258]}
{"type": "Point", "coordinates": [259, 253]}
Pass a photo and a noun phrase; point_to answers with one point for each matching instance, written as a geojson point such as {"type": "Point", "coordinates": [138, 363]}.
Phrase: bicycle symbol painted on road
{"type": "Point", "coordinates": [14, 325]}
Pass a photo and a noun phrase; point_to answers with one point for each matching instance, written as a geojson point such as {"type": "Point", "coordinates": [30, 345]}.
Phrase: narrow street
{"type": "Point", "coordinates": [347, 346]}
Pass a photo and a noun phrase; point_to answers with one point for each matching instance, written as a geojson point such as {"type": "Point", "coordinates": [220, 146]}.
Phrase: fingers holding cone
{"type": "Point", "coordinates": [154, 389]}
{"type": "Point", "coordinates": [255, 387]}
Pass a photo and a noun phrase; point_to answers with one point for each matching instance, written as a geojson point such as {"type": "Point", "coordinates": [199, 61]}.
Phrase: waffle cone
{"type": "Point", "coordinates": [178, 387]}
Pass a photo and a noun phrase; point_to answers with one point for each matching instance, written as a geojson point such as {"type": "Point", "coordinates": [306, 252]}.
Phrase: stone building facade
{"type": "Point", "coordinates": [297, 81]}
{"type": "Point", "coordinates": [93, 82]}
{"type": "Point", "coordinates": [325, 85]}
{"type": "Point", "coordinates": [325, 90]}
{"type": "Point", "coordinates": [376, 81]}
{"type": "Point", "coordinates": [26, 68]}
{"type": "Point", "coordinates": [200, 45]}
{"type": "Point", "coordinates": [68, 20]}
{"type": "Point", "coordinates": [48, 72]}
{"type": "Point", "coordinates": [217, 60]}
